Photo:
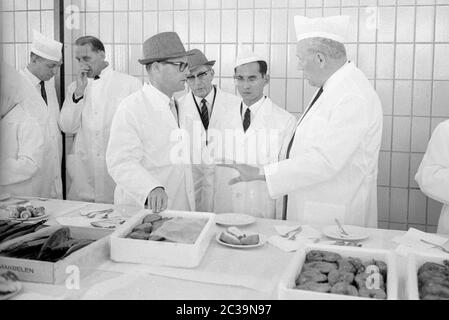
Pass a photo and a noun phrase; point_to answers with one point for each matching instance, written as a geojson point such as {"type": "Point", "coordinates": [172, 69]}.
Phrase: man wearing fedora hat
{"type": "Point", "coordinates": [140, 155]}
{"type": "Point", "coordinates": [203, 107]}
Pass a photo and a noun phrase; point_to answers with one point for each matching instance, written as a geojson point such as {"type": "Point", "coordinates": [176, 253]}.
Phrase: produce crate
{"type": "Point", "coordinates": [414, 262]}
{"type": "Point", "coordinates": [85, 259]}
{"type": "Point", "coordinates": [161, 253]}
{"type": "Point", "coordinates": [286, 287]}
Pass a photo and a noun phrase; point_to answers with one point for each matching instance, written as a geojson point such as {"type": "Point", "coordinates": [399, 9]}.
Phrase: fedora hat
{"type": "Point", "coordinates": [198, 59]}
{"type": "Point", "coordinates": [163, 46]}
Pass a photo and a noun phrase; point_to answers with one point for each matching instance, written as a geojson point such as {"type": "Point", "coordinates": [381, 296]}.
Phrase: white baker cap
{"type": "Point", "coordinates": [246, 55]}
{"type": "Point", "coordinates": [334, 27]}
{"type": "Point", "coordinates": [45, 47]}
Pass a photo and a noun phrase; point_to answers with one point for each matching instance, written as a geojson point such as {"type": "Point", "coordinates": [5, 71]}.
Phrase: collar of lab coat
{"type": "Point", "coordinates": [35, 81]}
{"type": "Point", "coordinates": [337, 76]}
{"type": "Point", "coordinates": [163, 101]}
{"type": "Point", "coordinates": [105, 73]}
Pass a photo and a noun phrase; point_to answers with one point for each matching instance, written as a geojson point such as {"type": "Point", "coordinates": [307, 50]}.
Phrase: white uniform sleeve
{"type": "Point", "coordinates": [30, 143]}
{"type": "Point", "coordinates": [124, 154]}
{"type": "Point", "coordinates": [433, 173]}
{"type": "Point", "coordinates": [70, 116]}
{"type": "Point", "coordinates": [327, 153]}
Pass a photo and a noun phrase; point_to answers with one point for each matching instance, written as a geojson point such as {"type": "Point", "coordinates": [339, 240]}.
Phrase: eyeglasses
{"type": "Point", "coordinates": [251, 80]}
{"type": "Point", "coordinates": [181, 65]}
{"type": "Point", "coordinates": [200, 76]}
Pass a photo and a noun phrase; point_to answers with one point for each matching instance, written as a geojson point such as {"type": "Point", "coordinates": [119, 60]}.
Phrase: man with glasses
{"type": "Point", "coordinates": [45, 61]}
{"type": "Point", "coordinates": [90, 104]}
{"type": "Point", "coordinates": [141, 155]}
{"type": "Point", "coordinates": [262, 132]}
{"type": "Point", "coordinates": [203, 106]}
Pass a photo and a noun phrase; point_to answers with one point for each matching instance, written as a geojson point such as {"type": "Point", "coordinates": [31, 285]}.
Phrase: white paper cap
{"type": "Point", "coordinates": [45, 47]}
{"type": "Point", "coordinates": [246, 55]}
{"type": "Point", "coordinates": [334, 28]}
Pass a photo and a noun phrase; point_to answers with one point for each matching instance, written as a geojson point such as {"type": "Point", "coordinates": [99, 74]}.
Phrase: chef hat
{"type": "Point", "coordinates": [246, 55]}
{"type": "Point", "coordinates": [334, 27]}
{"type": "Point", "coordinates": [45, 47]}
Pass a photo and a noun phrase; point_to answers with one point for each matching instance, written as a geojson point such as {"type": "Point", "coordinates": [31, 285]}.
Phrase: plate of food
{"type": "Point", "coordinates": [234, 238]}
{"type": "Point", "coordinates": [9, 285]}
{"type": "Point", "coordinates": [28, 213]}
{"type": "Point", "coordinates": [354, 233]}
{"type": "Point", "coordinates": [234, 219]}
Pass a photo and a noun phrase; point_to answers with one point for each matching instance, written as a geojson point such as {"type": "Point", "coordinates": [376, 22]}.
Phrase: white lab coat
{"type": "Point", "coordinates": [202, 164]}
{"type": "Point", "coordinates": [333, 164]}
{"type": "Point", "coordinates": [90, 120]}
{"type": "Point", "coordinates": [265, 141]}
{"type": "Point", "coordinates": [21, 153]}
{"type": "Point", "coordinates": [433, 173]}
{"type": "Point", "coordinates": [49, 175]}
{"type": "Point", "coordinates": [143, 152]}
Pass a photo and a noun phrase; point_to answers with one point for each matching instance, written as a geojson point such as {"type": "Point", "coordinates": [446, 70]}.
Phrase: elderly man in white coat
{"type": "Point", "coordinates": [45, 61]}
{"type": "Point", "coordinates": [332, 160]}
{"type": "Point", "coordinates": [142, 155]}
{"type": "Point", "coordinates": [433, 172]}
{"type": "Point", "coordinates": [88, 109]}
{"type": "Point", "coordinates": [203, 107]}
{"type": "Point", "coordinates": [262, 131]}
{"type": "Point", "coordinates": [21, 139]}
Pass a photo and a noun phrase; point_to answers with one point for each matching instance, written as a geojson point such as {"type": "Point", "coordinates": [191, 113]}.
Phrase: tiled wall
{"type": "Point", "coordinates": [404, 54]}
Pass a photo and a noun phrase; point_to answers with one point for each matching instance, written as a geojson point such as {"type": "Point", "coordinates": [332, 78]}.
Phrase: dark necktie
{"type": "Point", "coordinates": [247, 119]}
{"type": "Point", "coordinates": [96, 77]}
{"type": "Point", "coordinates": [204, 114]}
{"type": "Point", "coordinates": [43, 92]}
{"type": "Point", "coordinates": [284, 213]}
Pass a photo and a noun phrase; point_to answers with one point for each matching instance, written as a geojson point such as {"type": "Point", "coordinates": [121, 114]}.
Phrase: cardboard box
{"type": "Point", "coordinates": [286, 285]}
{"type": "Point", "coordinates": [161, 253]}
{"type": "Point", "coordinates": [84, 259]}
{"type": "Point", "coordinates": [414, 262]}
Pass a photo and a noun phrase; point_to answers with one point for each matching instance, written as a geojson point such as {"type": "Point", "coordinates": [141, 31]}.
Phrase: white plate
{"type": "Point", "coordinates": [355, 233]}
{"type": "Point", "coordinates": [32, 219]}
{"type": "Point", "coordinates": [262, 241]}
{"type": "Point", "coordinates": [234, 219]}
{"type": "Point", "coordinates": [12, 294]}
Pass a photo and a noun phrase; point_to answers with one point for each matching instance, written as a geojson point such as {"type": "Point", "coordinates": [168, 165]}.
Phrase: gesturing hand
{"type": "Point", "coordinates": [158, 200]}
{"type": "Point", "coordinates": [247, 172]}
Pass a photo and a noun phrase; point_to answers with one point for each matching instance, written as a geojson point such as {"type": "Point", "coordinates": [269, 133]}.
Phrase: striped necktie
{"type": "Point", "coordinates": [247, 119]}
{"type": "Point", "coordinates": [204, 114]}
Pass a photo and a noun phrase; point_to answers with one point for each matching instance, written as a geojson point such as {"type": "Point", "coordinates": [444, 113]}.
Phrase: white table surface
{"type": "Point", "coordinates": [251, 273]}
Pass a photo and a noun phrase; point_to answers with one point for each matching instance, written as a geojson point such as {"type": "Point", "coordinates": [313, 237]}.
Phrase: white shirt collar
{"type": "Point", "coordinates": [337, 74]}
{"type": "Point", "coordinates": [150, 90]}
{"type": "Point", "coordinates": [254, 107]}
{"type": "Point", "coordinates": [35, 81]}
{"type": "Point", "coordinates": [105, 72]}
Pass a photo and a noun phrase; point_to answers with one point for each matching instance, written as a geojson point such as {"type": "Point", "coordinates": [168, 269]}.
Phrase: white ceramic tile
{"type": "Point", "coordinates": [47, 24]}
{"type": "Point", "coordinates": [212, 21]}
{"type": "Point", "coordinates": [366, 59]}
{"type": "Point", "coordinates": [404, 61]}
{"type": "Point", "coordinates": [384, 89]}
{"type": "Point", "coordinates": [92, 5]}
{"type": "Point", "coordinates": [385, 61]}
{"type": "Point", "coordinates": [245, 3]}
{"type": "Point", "coordinates": [196, 26]}
{"type": "Point", "coordinates": [197, 4]}
{"type": "Point", "coordinates": [22, 56]}
{"type": "Point", "coordinates": [420, 134]}
{"type": "Point", "coordinates": [106, 5]}
{"type": "Point", "coordinates": [92, 24]}
{"type": "Point", "coordinates": [332, 11]}
{"type": "Point", "coordinates": [424, 23]}
{"type": "Point", "coordinates": [383, 203]}
{"type": "Point", "coordinates": [440, 99]}
{"type": "Point", "coordinates": [279, 21]}
{"type": "Point", "coordinates": [121, 58]}
{"type": "Point", "coordinates": [313, 12]}
{"type": "Point", "coordinates": [210, 4]}
{"type": "Point", "coordinates": [120, 27]}
{"type": "Point", "coordinates": [245, 26]}
{"type": "Point", "coordinates": [262, 25]}
{"type": "Point", "coordinates": [294, 96]}
{"type": "Point", "coordinates": [166, 21]}
{"type": "Point", "coordinates": [212, 52]}
{"type": "Point", "coordinates": [401, 134]}
{"type": "Point", "coordinates": [314, 3]}
{"type": "Point", "coordinates": [229, 18]}
{"type": "Point", "coordinates": [435, 122]}
{"type": "Point", "coordinates": [441, 62]}
{"type": "Point", "coordinates": [135, 28]}
{"type": "Point", "coordinates": [227, 84]}
{"type": "Point", "coordinates": [349, 3]}
{"type": "Point", "coordinates": [80, 4]}
{"type": "Point", "coordinates": [34, 4]}
{"type": "Point", "coordinates": [442, 24]}
{"type": "Point", "coordinates": [150, 4]}
{"type": "Point", "coordinates": [387, 2]}
{"type": "Point", "coordinates": [7, 23]}
{"type": "Point", "coordinates": [20, 5]}
{"type": "Point", "coordinates": [122, 5]}
{"type": "Point", "coordinates": [181, 21]}
{"type": "Point", "coordinates": [106, 32]}
{"type": "Point", "coordinates": [7, 5]}
{"type": "Point", "coordinates": [110, 54]}
{"type": "Point", "coordinates": [278, 60]}
{"type": "Point", "coordinates": [386, 27]}
{"type": "Point", "coordinates": [279, 3]}
{"type": "Point", "coordinates": [399, 169]}
{"type": "Point", "coordinates": [81, 31]}
{"type": "Point", "coordinates": [368, 24]}
{"type": "Point", "coordinates": [277, 91]}
{"type": "Point", "coordinates": [405, 24]}
{"type": "Point", "coordinates": [351, 52]}
{"type": "Point", "coordinates": [149, 24]}
{"type": "Point", "coordinates": [34, 23]}
{"type": "Point", "coordinates": [353, 14]}
{"type": "Point", "coordinates": [135, 5]}
{"type": "Point", "coordinates": [228, 55]}
{"type": "Point", "coordinates": [8, 54]}
{"type": "Point", "coordinates": [331, 3]}
{"type": "Point", "coordinates": [165, 5]}
{"type": "Point", "coordinates": [383, 177]}
{"type": "Point", "coordinates": [415, 161]}
{"type": "Point", "coordinates": [423, 61]}
{"type": "Point", "coordinates": [433, 211]}
{"type": "Point", "coordinates": [292, 63]}
{"type": "Point", "coordinates": [425, 2]}
{"type": "Point", "coordinates": [135, 53]}
{"type": "Point", "coordinates": [20, 31]}
{"type": "Point", "coordinates": [398, 206]}
{"type": "Point", "coordinates": [386, 133]}
{"type": "Point", "coordinates": [403, 97]}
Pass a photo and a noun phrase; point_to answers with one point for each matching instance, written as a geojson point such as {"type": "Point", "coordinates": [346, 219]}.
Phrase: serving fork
{"type": "Point", "coordinates": [292, 233]}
